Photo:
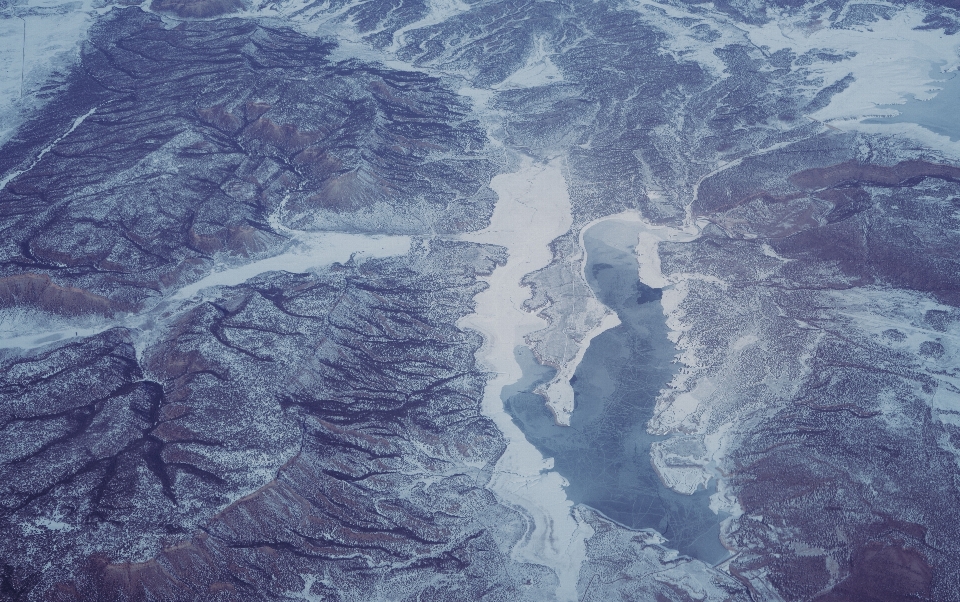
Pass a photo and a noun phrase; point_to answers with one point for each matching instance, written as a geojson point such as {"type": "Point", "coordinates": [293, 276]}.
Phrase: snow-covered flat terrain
{"type": "Point", "coordinates": [532, 210]}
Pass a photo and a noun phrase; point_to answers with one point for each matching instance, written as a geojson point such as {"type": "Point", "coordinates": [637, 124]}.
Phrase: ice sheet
{"type": "Point", "coordinates": [532, 210]}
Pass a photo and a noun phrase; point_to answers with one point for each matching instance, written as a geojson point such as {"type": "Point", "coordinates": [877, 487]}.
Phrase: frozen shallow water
{"type": "Point", "coordinates": [938, 114]}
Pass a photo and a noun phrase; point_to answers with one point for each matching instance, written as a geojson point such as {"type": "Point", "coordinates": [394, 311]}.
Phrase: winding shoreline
{"type": "Point", "coordinates": [558, 391]}
{"type": "Point", "coordinates": [533, 209]}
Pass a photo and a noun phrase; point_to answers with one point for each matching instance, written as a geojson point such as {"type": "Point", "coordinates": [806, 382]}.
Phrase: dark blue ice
{"type": "Point", "coordinates": [605, 452]}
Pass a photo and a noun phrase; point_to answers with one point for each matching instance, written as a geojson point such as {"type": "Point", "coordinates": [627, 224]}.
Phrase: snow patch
{"type": "Point", "coordinates": [305, 594]}
{"type": "Point", "coordinates": [38, 42]}
{"type": "Point", "coordinates": [539, 70]}
{"type": "Point", "coordinates": [559, 391]}
{"type": "Point", "coordinates": [893, 59]}
{"type": "Point", "coordinates": [898, 319]}
{"type": "Point", "coordinates": [76, 123]}
{"type": "Point", "coordinates": [688, 33]}
{"type": "Point", "coordinates": [43, 523]}
{"type": "Point", "coordinates": [440, 11]}
{"type": "Point", "coordinates": [310, 251]}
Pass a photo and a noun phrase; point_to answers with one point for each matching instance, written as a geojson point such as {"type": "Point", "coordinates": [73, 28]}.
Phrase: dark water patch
{"type": "Point", "coordinates": [605, 452]}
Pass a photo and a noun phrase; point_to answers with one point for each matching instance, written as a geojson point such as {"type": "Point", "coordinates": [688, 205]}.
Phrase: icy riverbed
{"type": "Point", "coordinates": [310, 250]}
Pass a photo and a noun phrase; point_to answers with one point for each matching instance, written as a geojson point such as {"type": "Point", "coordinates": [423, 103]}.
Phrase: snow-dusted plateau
{"type": "Point", "coordinates": [501, 300]}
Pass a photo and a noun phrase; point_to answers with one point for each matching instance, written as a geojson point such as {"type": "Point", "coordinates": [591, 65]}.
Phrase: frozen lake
{"type": "Point", "coordinates": [605, 452]}
{"type": "Point", "coordinates": [938, 114]}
